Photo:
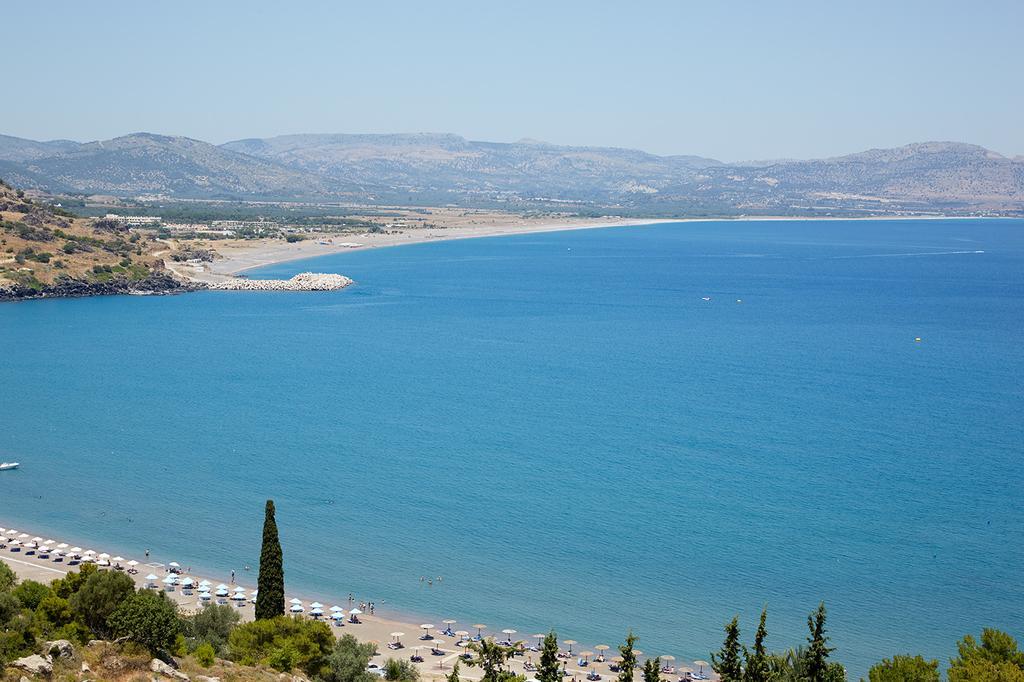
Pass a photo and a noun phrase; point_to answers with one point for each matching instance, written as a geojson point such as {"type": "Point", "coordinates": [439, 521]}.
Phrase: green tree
{"type": "Point", "coordinates": [147, 618]}
{"type": "Point", "coordinates": [10, 606]}
{"type": "Point", "coordinates": [283, 643]}
{"type": "Point", "coordinates": [348, 662]}
{"type": "Point", "coordinates": [53, 612]}
{"type": "Point", "coordinates": [7, 577]}
{"type": "Point", "coordinates": [757, 669]}
{"type": "Point", "coordinates": [98, 598]}
{"type": "Point", "coordinates": [997, 658]}
{"type": "Point", "coordinates": [30, 593]}
{"type": "Point", "coordinates": [205, 654]}
{"type": "Point", "coordinates": [904, 669]}
{"type": "Point", "coordinates": [490, 657]}
{"type": "Point", "coordinates": [652, 670]}
{"type": "Point", "coordinates": [212, 625]}
{"type": "Point", "coordinates": [817, 646]}
{"type": "Point", "coordinates": [396, 670]}
{"type": "Point", "coordinates": [628, 658]}
{"type": "Point", "coordinates": [270, 583]}
{"type": "Point", "coordinates": [72, 582]}
{"type": "Point", "coordinates": [727, 661]}
{"type": "Point", "coordinates": [549, 670]}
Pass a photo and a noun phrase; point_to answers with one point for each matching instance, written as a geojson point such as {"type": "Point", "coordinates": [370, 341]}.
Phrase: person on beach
{"type": "Point", "coordinates": [147, 553]}
{"type": "Point", "coordinates": [232, 576]}
{"type": "Point", "coordinates": [350, 599]}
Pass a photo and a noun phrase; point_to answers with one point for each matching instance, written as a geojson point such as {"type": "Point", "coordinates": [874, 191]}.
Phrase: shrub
{"type": "Point", "coordinates": [348, 661]}
{"type": "Point", "coordinates": [99, 596]}
{"type": "Point", "coordinates": [30, 593]}
{"type": "Point", "coordinates": [398, 670]}
{"type": "Point", "coordinates": [7, 577]}
{"type": "Point", "coordinates": [212, 625]}
{"type": "Point", "coordinates": [282, 643]}
{"type": "Point", "coordinates": [205, 654]}
{"type": "Point", "coordinates": [147, 618]}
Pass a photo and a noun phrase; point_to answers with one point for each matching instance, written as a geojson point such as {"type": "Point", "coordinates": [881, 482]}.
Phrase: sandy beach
{"type": "Point", "coordinates": [380, 627]}
{"type": "Point", "coordinates": [235, 256]}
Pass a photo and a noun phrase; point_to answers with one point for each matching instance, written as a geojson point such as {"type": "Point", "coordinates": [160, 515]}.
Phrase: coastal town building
{"type": "Point", "coordinates": [134, 220]}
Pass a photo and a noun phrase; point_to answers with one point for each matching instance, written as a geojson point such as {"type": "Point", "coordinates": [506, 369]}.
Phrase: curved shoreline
{"type": "Point", "coordinates": [372, 628]}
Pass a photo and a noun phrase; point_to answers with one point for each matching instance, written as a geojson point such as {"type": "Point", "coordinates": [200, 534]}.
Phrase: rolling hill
{"type": "Point", "coordinates": [448, 169]}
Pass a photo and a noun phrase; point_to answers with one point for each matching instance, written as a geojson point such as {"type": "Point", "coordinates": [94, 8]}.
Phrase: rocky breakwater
{"type": "Point", "coordinates": [305, 281]}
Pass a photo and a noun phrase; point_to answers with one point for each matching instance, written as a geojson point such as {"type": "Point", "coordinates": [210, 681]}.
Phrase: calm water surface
{"type": "Point", "coordinates": [562, 428]}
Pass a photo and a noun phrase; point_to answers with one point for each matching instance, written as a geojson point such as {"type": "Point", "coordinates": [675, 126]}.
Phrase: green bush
{"type": "Point", "coordinates": [147, 618]}
{"type": "Point", "coordinates": [205, 655]}
{"type": "Point", "coordinates": [282, 643]}
{"type": "Point", "coordinates": [7, 577]}
{"type": "Point", "coordinates": [211, 625]}
{"type": "Point", "coordinates": [30, 593]}
{"type": "Point", "coordinates": [348, 661]}
{"type": "Point", "coordinates": [99, 596]}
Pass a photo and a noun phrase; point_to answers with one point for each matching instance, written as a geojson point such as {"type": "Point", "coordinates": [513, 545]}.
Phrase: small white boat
{"type": "Point", "coordinates": [4, 466]}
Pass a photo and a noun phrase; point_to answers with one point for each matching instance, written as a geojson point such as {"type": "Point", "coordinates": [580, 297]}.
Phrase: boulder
{"type": "Point", "coordinates": [59, 648]}
{"type": "Point", "coordinates": [161, 668]}
{"type": "Point", "coordinates": [33, 665]}
{"type": "Point", "coordinates": [204, 678]}
{"type": "Point", "coordinates": [86, 668]}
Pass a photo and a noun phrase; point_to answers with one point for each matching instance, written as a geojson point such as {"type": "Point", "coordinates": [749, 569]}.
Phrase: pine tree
{"type": "Point", "coordinates": [454, 676]}
{"type": "Point", "coordinates": [270, 584]}
{"type": "Point", "coordinates": [628, 659]}
{"type": "Point", "coordinates": [549, 669]}
{"type": "Point", "coordinates": [727, 661]}
{"type": "Point", "coordinates": [818, 649]}
{"type": "Point", "coordinates": [757, 669]}
{"type": "Point", "coordinates": [652, 670]}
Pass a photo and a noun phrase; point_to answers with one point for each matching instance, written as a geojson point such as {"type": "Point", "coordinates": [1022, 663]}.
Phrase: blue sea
{"type": "Point", "coordinates": [650, 428]}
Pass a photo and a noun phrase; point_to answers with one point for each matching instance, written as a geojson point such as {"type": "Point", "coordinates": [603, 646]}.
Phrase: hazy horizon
{"type": "Point", "coordinates": [739, 82]}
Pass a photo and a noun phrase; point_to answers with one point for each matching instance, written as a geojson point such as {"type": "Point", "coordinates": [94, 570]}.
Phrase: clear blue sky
{"type": "Point", "coordinates": [732, 80]}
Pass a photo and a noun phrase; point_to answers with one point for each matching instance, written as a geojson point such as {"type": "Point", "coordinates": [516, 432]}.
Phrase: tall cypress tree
{"type": "Point", "coordinates": [549, 670]}
{"type": "Point", "coordinates": [270, 597]}
{"type": "Point", "coordinates": [727, 661]}
{"type": "Point", "coordinates": [628, 659]}
{"type": "Point", "coordinates": [817, 649]}
{"type": "Point", "coordinates": [757, 669]}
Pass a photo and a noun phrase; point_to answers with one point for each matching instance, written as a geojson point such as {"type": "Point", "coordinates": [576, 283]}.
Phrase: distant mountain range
{"type": "Point", "coordinates": [448, 169]}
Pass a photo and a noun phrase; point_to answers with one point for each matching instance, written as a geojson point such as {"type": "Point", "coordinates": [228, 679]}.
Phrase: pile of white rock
{"type": "Point", "coordinates": [305, 281]}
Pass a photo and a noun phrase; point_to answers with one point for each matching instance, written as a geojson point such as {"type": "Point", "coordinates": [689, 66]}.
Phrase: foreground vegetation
{"type": "Point", "coordinates": [97, 618]}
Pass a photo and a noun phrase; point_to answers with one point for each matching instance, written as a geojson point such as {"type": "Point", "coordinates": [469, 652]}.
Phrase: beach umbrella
{"type": "Point", "coordinates": [426, 626]}
{"type": "Point", "coordinates": [293, 602]}
{"type": "Point", "coordinates": [204, 583]}
{"type": "Point", "coordinates": [89, 552]}
{"type": "Point", "coordinates": [22, 536]}
{"type": "Point", "coordinates": [668, 658]}
{"type": "Point", "coordinates": [239, 588]}
{"type": "Point", "coordinates": [151, 577]}
{"type": "Point", "coordinates": [479, 628]}
{"type": "Point", "coordinates": [118, 558]}
{"type": "Point", "coordinates": [316, 612]}
{"type": "Point", "coordinates": [354, 612]}
{"type": "Point", "coordinates": [449, 621]}
{"type": "Point", "coordinates": [336, 609]}
{"type": "Point", "coordinates": [104, 556]}
{"type": "Point", "coordinates": [569, 643]}
{"type": "Point", "coordinates": [222, 586]}
{"type": "Point", "coordinates": [49, 542]}
{"type": "Point", "coordinates": [316, 605]}
{"type": "Point", "coordinates": [174, 564]}
{"type": "Point", "coordinates": [337, 615]}
{"type": "Point", "coordinates": [75, 550]}
{"type": "Point", "coordinates": [187, 582]}
{"type": "Point", "coordinates": [222, 592]}
{"type": "Point", "coordinates": [462, 633]}
{"type": "Point", "coordinates": [205, 596]}
{"type": "Point", "coordinates": [169, 580]}
{"type": "Point", "coordinates": [62, 545]}
{"type": "Point", "coordinates": [397, 635]}
{"type": "Point", "coordinates": [238, 596]}
{"type": "Point", "coordinates": [701, 664]}
{"type": "Point", "coordinates": [602, 648]}
{"type": "Point", "coordinates": [102, 562]}
{"type": "Point", "coordinates": [509, 632]}
{"type": "Point", "coordinates": [30, 544]}
{"type": "Point", "coordinates": [15, 543]}
{"type": "Point", "coordinates": [586, 655]}
{"type": "Point", "coordinates": [37, 539]}
{"type": "Point", "coordinates": [296, 608]}
{"type": "Point", "coordinates": [133, 563]}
